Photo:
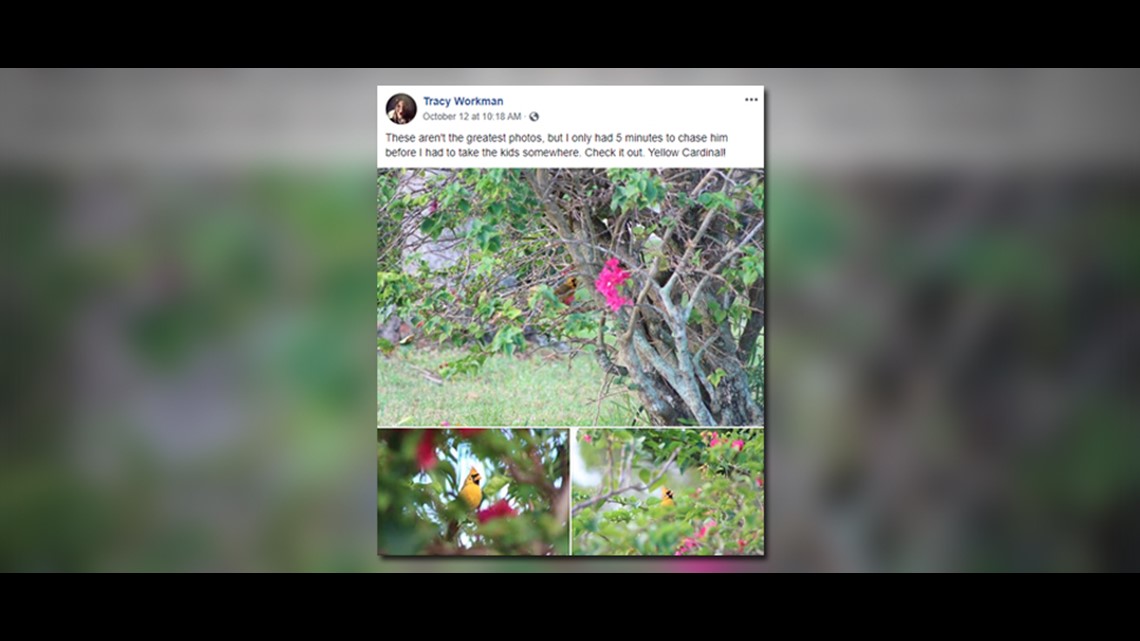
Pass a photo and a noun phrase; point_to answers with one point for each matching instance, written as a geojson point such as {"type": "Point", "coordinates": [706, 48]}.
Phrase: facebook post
{"type": "Point", "coordinates": [570, 256]}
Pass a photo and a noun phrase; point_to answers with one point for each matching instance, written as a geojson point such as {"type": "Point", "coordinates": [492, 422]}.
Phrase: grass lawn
{"type": "Point", "coordinates": [509, 391]}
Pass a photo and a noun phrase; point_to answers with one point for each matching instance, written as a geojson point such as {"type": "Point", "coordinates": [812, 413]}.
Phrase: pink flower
{"type": "Point", "coordinates": [686, 545]}
{"type": "Point", "coordinates": [425, 451]}
{"type": "Point", "coordinates": [610, 278]}
{"type": "Point", "coordinates": [741, 542]}
{"type": "Point", "coordinates": [705, 530]}
{"type": "Point", "coordinates": [759, 481]}
{"type": "Point", "coordinates": [738, 445]}
{"type": "Point", "coordinates": [587, 438]}
{"type": "Point", "coordinates": [500, 509]}
{"type": "Point", "coordinates": [444, 424]}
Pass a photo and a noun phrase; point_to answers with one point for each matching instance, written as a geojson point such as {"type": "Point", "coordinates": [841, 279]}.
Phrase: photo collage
{"type": "Point", "coordinates": [570, 322]}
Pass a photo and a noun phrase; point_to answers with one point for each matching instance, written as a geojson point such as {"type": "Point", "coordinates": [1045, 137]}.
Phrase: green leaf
{"type": "Point", "coordinates": [492, 242]}
{"type": "Point", "coordinates": [497, 482]}
{"type": "Point", "coordinates": [432, 226]}
{"type": "Point", "coordinates": [644, 476]}
{"type": "Point", "coordinates": [508, 340]}
{"type": "Point", "coordinates": [758, 198]}
{"type": "Point", "coordinates": [446, 468]}
{"type": "Point", "coordinates": [716, 376]}
{"type": "Point", "coordinates": [717, 312]}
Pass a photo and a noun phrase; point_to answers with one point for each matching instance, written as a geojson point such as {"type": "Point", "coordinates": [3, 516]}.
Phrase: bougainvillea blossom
{"type": "Point", "coordinates": [610, 278]}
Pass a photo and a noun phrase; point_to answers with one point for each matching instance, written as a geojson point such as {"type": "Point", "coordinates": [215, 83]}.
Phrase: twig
{"type": "Point", "coordinates": [601, 498]}
{"type": "Point", "coordinates": [621, 463]}
{"type": "Point", "coordinates": [535, 478]}
{"type": "Point", "coordinates": [652, 279]}
{"type": "Point", "coordinates": [702, 182]}
{"type": "Point", "coordinates": [601, 395]}
{"type": "Point", "coordinates": [609, 465]}
{"type": "Point", "coordinates": [692, 245]}
{"type": "Point", "coordinates": [431, 378]}
{"type": "Point", "coordinates": [720, 263]}
{"type": "Point", "coordinates": [628, 472]}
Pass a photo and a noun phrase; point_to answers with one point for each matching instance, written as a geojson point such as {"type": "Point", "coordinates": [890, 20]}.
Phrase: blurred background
{"type": "Point", "coordinates": [187, 292]}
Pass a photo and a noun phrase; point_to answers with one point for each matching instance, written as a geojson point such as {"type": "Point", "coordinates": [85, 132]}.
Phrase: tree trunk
{"type": "Point", "coordinates": [676, 389]}
{"type": "Point", "coordinates": [686, 371]}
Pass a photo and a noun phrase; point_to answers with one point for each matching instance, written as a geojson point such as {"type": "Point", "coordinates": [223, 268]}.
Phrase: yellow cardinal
{"type": "Point", "coordinates": [471, 493]}
{"type": "Point", "coordinates": [565, 291]}
{"type": "Point", "coordinates": [666, 496]}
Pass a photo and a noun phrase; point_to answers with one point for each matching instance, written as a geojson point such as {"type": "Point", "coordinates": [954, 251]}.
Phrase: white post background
{"type": "Point", "coordinates": [577, 112]}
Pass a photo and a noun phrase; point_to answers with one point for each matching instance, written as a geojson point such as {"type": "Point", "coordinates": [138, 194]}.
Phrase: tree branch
{"type": "Point", "coordinates": [684, 379]}
{"type": "Point", "coordinates": [528, 477]}
{"type": "Point", "coordinates": [626, 488]}
{"type": "Point", "coordinates": [720, 263]}
{"type": "Point", "coordinates": [702, 182]}
{"type": "Point", "coordinates": [659, 406]}
{"type": "Point", "coordinates": [561, 503]}
{"type": "Point", "coordinates": [687, 387]}
{"type": "Point", "coordinates": [755, 322]}
{"type": "Point", "coordinates": [608, 481]}
{"type": "Point", "coordinates": [652, 279]}
{"type": "Point", "coordinates": [692, 245]}
{"type": "Point", "coordinates": [628, 472]}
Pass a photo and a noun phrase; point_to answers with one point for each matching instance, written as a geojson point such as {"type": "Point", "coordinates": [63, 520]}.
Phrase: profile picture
{"type": "Point", "coordinates": [401, 109]}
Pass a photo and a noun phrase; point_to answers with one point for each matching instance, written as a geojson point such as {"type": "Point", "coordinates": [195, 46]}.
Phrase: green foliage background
{"type": "Point", "coordinates": [469, 259]}
{"type": "Point", "coordinates": [526, 467]}
{"type": "Point", "coordinates": [493, 215]}
{"type": "Point", "coordinates": [724, 485]}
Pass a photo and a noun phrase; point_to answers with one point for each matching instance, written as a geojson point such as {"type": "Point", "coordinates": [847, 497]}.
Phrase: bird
{"type": "Point", "coordinates": [471, 493]}
{"type": "Point", "coordinates": [666, 496]}
{"type": "Point", "coordinates": [565, 291]}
